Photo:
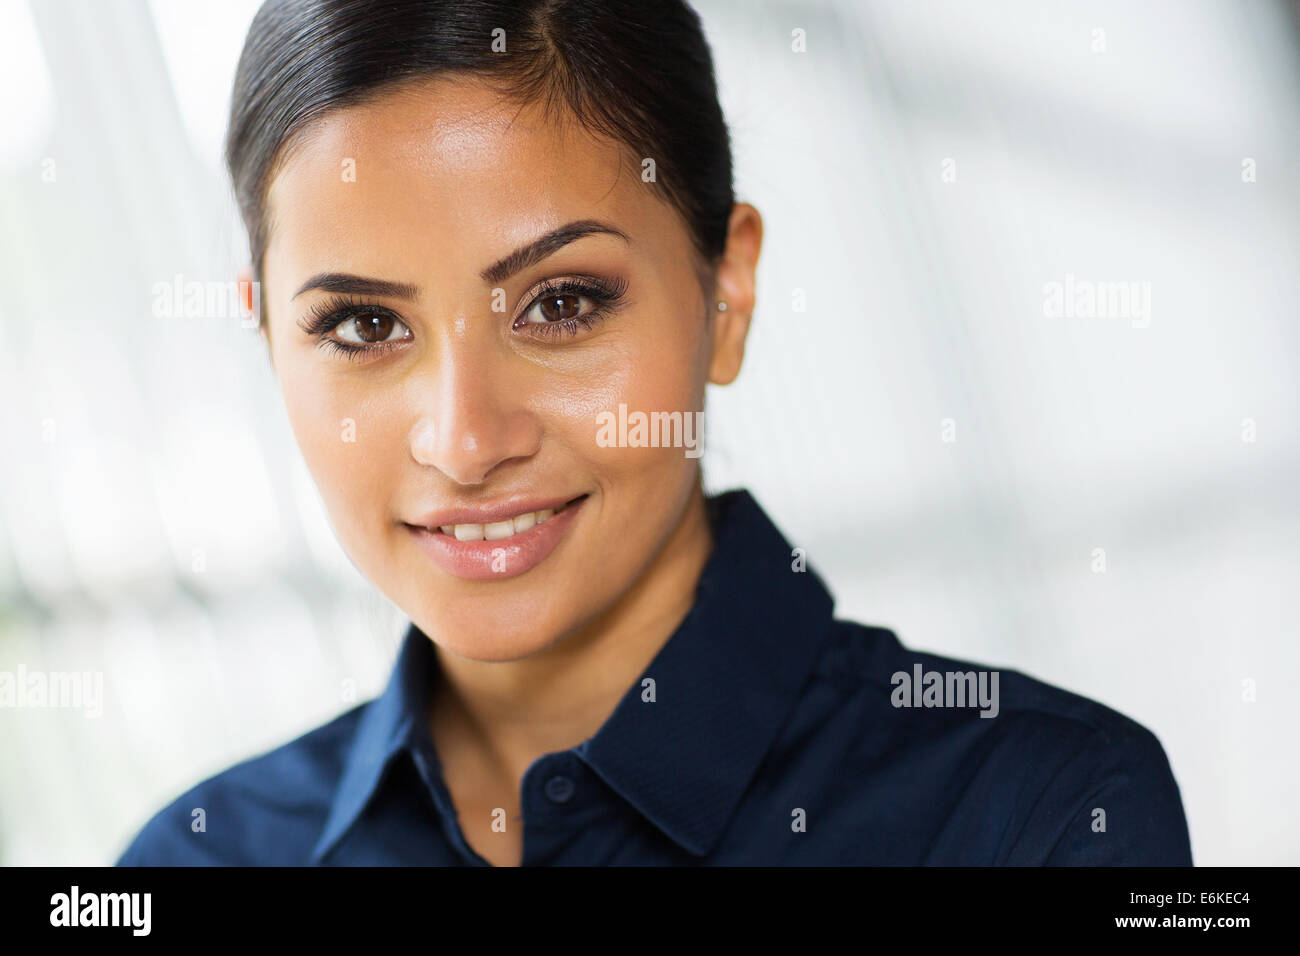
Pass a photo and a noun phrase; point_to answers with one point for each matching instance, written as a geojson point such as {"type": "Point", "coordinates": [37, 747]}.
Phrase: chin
{"type": "Point", "coordinates": [473, 632]}
{"type": "Point", "coordinates": [491, 646]}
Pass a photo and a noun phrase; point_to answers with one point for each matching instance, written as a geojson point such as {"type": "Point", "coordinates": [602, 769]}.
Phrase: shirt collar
{"type": "Point", "coordinates": [725, 683]}
{"type": "Point", "coordinates": [387, 726]}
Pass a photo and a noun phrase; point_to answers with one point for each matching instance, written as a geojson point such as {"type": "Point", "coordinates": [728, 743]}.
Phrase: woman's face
{"type": "Point", "coordinates": [461, 378]}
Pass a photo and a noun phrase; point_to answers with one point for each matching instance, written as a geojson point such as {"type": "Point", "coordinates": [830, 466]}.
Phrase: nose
{"type": "Point", "coordinates": [470, 419]}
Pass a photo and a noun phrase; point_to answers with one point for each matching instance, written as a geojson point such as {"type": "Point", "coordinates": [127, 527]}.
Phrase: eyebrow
{"type": "Point", "coordinates": [498, 272]}
{"type": "Point", "coordinates": [358, 285]}
{"type": "Point", "coordinates": [540, 248]}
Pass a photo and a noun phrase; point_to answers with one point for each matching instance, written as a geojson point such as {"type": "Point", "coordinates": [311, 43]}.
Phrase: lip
{"type": "Point", "coordinates": [498, 511]}
{"type": "Point", "coordinates": [504, 558]}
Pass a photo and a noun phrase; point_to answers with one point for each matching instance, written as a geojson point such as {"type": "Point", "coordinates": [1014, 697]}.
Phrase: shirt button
{"type": "Point", "coordinates": [559, 789]}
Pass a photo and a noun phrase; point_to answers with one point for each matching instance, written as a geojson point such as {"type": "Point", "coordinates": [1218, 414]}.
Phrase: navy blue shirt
{"type": "Point", "coordinates": [769, 732]}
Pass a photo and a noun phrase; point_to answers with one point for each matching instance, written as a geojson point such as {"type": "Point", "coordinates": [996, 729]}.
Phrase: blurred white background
{"type": "Point", "coordinates": [950, 455]}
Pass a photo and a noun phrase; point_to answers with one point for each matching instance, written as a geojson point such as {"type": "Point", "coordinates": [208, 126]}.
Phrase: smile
{"type": "Point", "coordinates": [503, 548]}
{"type": "Point", "coordinates": [501, 530]}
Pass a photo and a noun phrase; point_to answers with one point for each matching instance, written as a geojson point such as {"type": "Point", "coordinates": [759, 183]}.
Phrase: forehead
{"type": "Point", "coordinates": [443, 171]}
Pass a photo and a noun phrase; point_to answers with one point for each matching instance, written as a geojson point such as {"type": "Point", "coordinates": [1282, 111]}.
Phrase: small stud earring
{"type": "Point", "coordinates": [722, 307]}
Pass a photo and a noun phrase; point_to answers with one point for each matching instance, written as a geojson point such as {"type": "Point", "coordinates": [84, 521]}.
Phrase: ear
{"type": "Point", "coordinates": [735, 286]}
{"type": "Point", "coordinates": [250, 299]}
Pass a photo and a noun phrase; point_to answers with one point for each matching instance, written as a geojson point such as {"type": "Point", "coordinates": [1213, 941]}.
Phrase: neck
{"type": "Point", "coordinates": [514, 712]}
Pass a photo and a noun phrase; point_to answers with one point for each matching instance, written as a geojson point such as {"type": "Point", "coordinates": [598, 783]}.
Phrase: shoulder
{"type": "Point", "coordinates": [871, 660]}
{"type": "Point", "coordinates": [1075, 781]}
{"type": "Point", "coordinates": [267, 809]}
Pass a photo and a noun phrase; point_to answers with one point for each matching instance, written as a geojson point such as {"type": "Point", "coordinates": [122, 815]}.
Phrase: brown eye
{"type": "Point", "coordinates": [558, 308]}
{"type": "Point", "coordinates": [369, 328]}
{"type": "Point", "coordinates": [567, 305]}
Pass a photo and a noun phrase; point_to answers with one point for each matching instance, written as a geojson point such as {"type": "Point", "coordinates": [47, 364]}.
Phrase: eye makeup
{"type": "Point", "coordinates": [605, 295]}
{"type": "Point", "coordinates": [334, 311]}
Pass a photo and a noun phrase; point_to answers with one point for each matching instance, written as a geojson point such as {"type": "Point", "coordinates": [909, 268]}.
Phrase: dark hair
{"type": "Point", "coordinates": [637, 71]}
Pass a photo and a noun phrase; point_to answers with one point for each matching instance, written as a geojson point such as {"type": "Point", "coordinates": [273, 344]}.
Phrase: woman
{"type": "Point", "coordinates": [483, 233]}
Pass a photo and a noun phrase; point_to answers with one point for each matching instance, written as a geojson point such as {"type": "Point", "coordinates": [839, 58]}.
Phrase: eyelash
{"type": "Point", "coordinates": [334, 311]}
{"type": "Point", "coordinates": [606, 294]}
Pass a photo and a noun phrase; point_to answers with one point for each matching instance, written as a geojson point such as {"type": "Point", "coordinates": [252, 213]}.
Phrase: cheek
{"type": "Point", "coordinates": [666, 375]}
{"type": "Point", "coordinates": [348, 438]}
{"type": "Point", "coordinates": [660, 372]}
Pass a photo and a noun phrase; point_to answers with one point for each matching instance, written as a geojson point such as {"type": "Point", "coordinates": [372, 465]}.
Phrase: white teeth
{"type": "Point", "coordinates": [498, 530]}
